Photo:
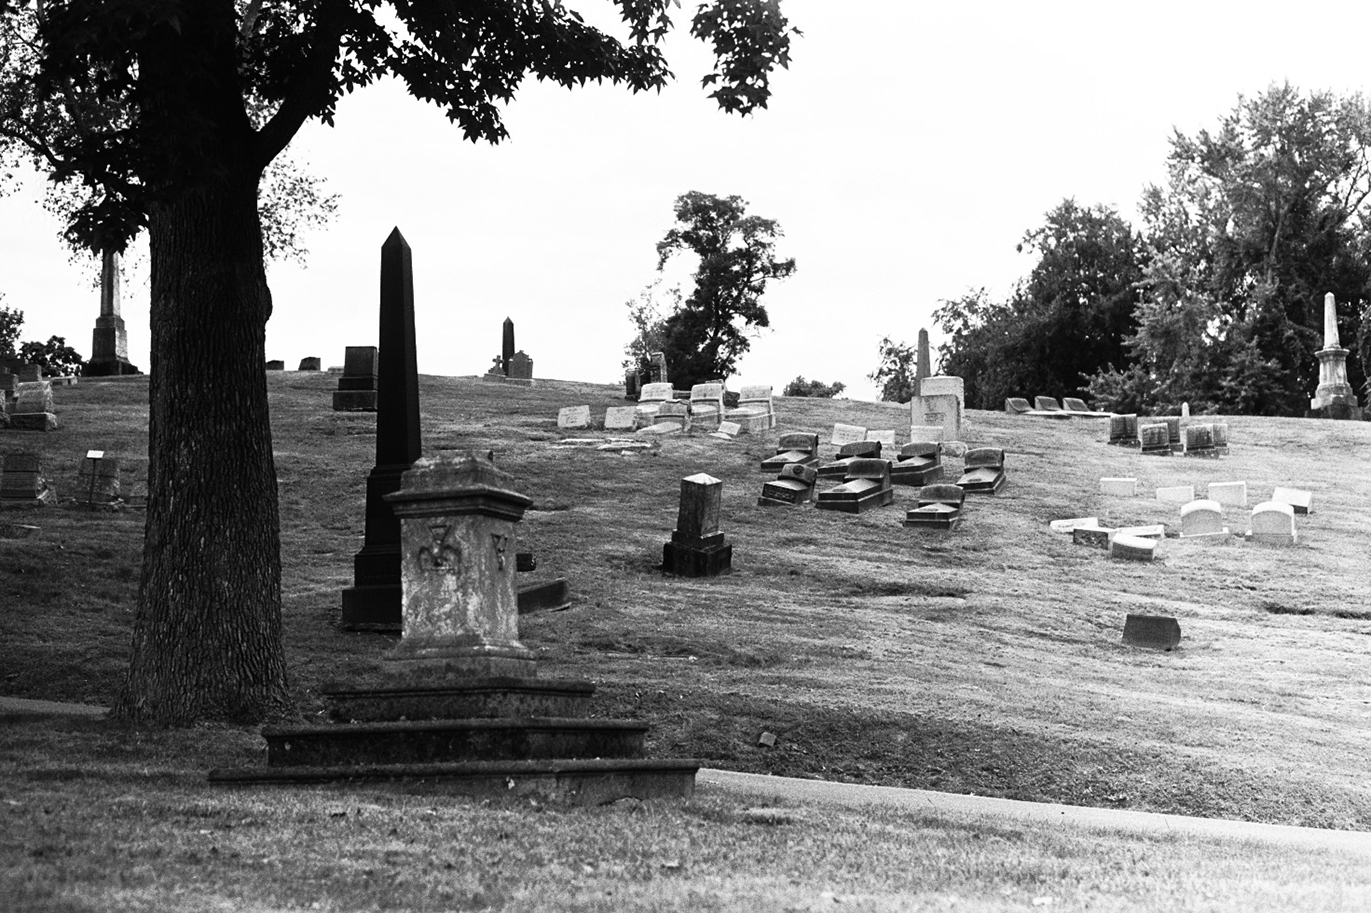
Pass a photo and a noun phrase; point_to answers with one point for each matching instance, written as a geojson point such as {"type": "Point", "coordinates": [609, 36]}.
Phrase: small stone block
{"type": "Point", "coordinates": [1274, 523]}
{"type": "Point", "coordinates": [885, 437]}
{"type": "Point", "coordinates": [1066, 526]}
{"type": "Point", "coordinates": [1132, 548]}
{"type": "Point", "coordinates": [1046, 404]}
{"type": "Point", "coordinates": [1176, 494]}
{"type": "Point", "coordinates": [731, 429]}
{"type": "Point", "coordinates": [1152, 531]}
{"type": "Point", "coordinates": [574, 417]}
{"type": "Point", "coordinates": [943, 385]}
{"type": "Point", "coordinates": [354, 400]}
{"type": "Point", "coordinates": [1017, 405]}
{"type": "Point", "coordinates": [1159, 632]}
{"type": "Point", "coordinates": [1230, 494]}
{"type": "Point", "coordinates": [1097, 536]}
{"type": "Point", "coordinates": [925, 432]}
{"type": "Point", "coordinates": [620, 418]}
{"type": "Point", "coordinates": [1202, 518]}
{"type": "Point", "coordinates": [1301, 501]}
{"type": "Point", "coordinates": [1119, 487]}
{"type": "Point", "coordinates": [660, 428]}
{"type": "Point", "coordinates": [847, 434]}
{"type": "Point", "coordinates": [34, 421]}
{"type": "Point", "coordinates": [310, 363]}
{"type": "Point", "coordinates": [787, 491]}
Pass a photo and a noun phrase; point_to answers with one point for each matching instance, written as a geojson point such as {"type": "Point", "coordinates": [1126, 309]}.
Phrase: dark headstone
{"type": "Point", "coordinates": [357, 387]}
{"type": "Point", "coordinates": [506, 345]}
{"type": "Point", "coordinates": [373, 602]}
{"type": "Point", "coordinates": [520, 366]}
{"type": "Point", "coordinates": [311, 363]}
{"type": "Point", "coordinates": [1159, 632]}
{"type": "Point", "coordinates": [697, 548]}
{"type": "Point", "coordinates": [276, 365]}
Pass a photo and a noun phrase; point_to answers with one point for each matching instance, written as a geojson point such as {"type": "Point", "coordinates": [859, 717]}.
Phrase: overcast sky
{"type": "Point", "coordinates": [905, 153]}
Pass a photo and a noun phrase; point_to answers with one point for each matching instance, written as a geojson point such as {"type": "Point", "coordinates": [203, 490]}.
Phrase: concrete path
{"type": "Point", "coordinates": [1011, 811]}
{"type": "Point", "coordinates": [949, 805]}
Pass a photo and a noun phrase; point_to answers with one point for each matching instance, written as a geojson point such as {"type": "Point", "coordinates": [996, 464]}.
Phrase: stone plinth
{"type": "Point", "coordinates": [460, 611]}
{"type": "Point", "coordinates": [1160, 632]}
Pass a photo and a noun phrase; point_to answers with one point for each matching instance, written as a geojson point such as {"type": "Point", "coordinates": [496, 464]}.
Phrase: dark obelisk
{"type": "Point", "coordinates": [373, 602]}
{"type": "Point", "coordinates": [109, 349]}
{"type": "Point", "coordinates": [507, 346]}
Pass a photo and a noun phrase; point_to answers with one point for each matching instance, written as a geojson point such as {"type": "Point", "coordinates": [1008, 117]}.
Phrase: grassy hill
{"type": "Point", "coordinates": [987, 660]}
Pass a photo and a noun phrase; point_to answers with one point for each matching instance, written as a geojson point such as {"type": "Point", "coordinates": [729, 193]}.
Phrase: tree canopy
{"type": "Point", "coordinates": [184, 103]}
{"type": "Point", "coordinates": [706, 335]}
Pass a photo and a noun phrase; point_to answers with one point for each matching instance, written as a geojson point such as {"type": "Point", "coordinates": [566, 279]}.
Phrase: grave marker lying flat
{"type": "Point", "coordinates": [1302, 501]}
{"type": "Point", "coordinates": [1229, 494]}
{"type": "Point", "coordinates": [1274, 524]}
{"type": "Point", "coordinates": [659, 429]}
{"type": "Point", "coordinates": [1066, 526]}
{"type": "Point", "coordinates": [1132, 548]}
{"type": "Point", "coordinates": [1159, 632]}
{"type": "Point", "coordinates": [1119, 487]}
{"type": "Point", "coordinates": [1153, 531]}
{"type": "Point", "coordinates": [1176, 494]}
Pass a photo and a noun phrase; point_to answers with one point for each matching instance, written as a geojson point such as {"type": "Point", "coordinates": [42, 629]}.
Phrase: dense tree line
{"type": "Point", "coordinates": [1217, 299]}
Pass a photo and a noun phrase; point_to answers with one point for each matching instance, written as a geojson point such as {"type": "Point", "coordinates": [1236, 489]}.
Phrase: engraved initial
{"type": "Point", "coordinates": [441, 555]}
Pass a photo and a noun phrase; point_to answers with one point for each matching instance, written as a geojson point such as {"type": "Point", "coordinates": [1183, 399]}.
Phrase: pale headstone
{"type": "Point", "coordinates": [886, 437]}
{"type": "Point", "coordinates": [706, 405]}
{"type": "Point", "coordinates": [1176, 494]}
{"type": "Point", "coordinates": [1229, 494]}
{"type": "Point", "coordinates": [731, 429]}
{"type": "Point", "coordinates": [1046, 404]}
{"type": "Point", "coordinates": [926, 434]}
{"type": "Point", "coordinates": [1274, 523]}
{"type": "Point", "coordinates": [574, 417]}
{"type": "Point", "coordinates": [620, 418]}
{"type": "Point", "coordinates": [1301, 501]}
{"type": "Point", "coordinates": [847, 434]}
{"type": "Point", "coordinates": [1154, 531]}
{"type": "Point", "coordinates": [944, 385]}
{"type": "Point", "coordinates": [675, 412]}
{"type": "Point", "coordinates": [659, 429]}
{"type": "Point", "coordinates": [1017, 405]}
{"type": "Point", "coordinates": [754, 412]}
{"type": "Point", "coordinates": [1202, 518]}
{"type": "Point", "coordinates": [943, 410]}
{"type": "Point", "coordinates": [1066, 526]}
{"type": "Point", "coordinates": [1185, 410]}
{"type": "Point", "coordinates": [1132, 548]}
{"type": "Point", "coordinates": [1155, 439]}
{"type": "Point", "coordinates": [1119, 487]}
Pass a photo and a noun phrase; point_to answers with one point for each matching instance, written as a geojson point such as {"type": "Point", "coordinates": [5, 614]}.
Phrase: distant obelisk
{"type": "Point", "coordinates": [109, 348]}
{"type": "Point", "coordinates": [373, 603]}
{"type": "Point", "coordinates": [1334, 397]}
{"type": "Point", "coordinates": [922, 368]}
{"type": "Point", "coordinates": [507, 346]}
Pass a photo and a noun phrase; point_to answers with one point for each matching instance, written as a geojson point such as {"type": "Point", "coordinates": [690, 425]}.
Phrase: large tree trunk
{"type": "Point", "coordinates": [207, 636]}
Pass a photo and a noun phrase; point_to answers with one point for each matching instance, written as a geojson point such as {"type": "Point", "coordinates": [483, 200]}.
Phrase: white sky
{"type": "Point", "coordinates": [905, 153]}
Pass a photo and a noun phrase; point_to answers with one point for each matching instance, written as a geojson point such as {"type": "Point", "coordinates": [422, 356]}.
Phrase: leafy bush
{"type": "Point", "coordinates": [801, 387]}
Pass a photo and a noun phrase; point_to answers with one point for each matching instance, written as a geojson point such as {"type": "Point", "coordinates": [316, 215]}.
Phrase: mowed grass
{"type": "Point", "coordinates": [987, 660]}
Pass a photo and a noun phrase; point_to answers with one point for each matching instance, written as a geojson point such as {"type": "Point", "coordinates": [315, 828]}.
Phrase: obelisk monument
{"type": "Point", "coordinates": [1334, 397]}
{"type": "Point", "coordinates": [109, 348]}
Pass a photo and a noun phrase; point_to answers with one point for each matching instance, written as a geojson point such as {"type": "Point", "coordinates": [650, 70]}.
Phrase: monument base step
{"type": "Point", "coordinates": [473, 699]}
{"type": "Point", "coordinates": [586, 782]}
{"type": "Point", "coordinates": [447, 741]}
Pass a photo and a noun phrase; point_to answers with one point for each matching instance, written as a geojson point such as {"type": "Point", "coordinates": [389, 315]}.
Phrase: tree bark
{"type": "Point", "coordinates": [207, 634]}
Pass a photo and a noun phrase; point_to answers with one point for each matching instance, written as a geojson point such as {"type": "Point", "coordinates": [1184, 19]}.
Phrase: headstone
{"type": "Point", "coordinates": [658, 429]}
{"type": "Point", "coordinates": [506, 345]}
{"type": "Point", "coordinates": [1153, 531]}
{"type": "Point", "coordinates": [520, 367]}
{"type": "Point", "coordinates": [310, 364]}
{"type": "Point", "coordinates": [33, 407]}
{"type": "Point", "coordinates": [620, 418]}
{"type": "Point", "coordinates": [632, 383]}
{"type": "Point", "coordinates": [941, 410]}
{"type": "Point", "coordinates": [1119, 487]}
{"type": "Point", "coordinates": [1185, 410]}
{"type": "Point", "coordinates": [918, 464]}
{"type": "Point", "coordinates": [676, 413]}
{"type": "Point", "coordinates": [707, 405]}
{"type": "Point", "coordinates": [1173, 431]}
{"type": "Point", "coordinates": [885, 436]}
{"type": "Point", "coordinates": [109, 349]}
{"type": "Point", "coordinates": [847, 434]}
{"type": "Point", "coordinates": [922, 363]}
{"type": "Point", "coordinates": [925, 432]}
{"type": "Point", "coordinates": [276, 365]}
{"type": "Point", "coordinates": [1132, 548]}
{"type": "Point", "coordinates": [1199, 440]}
{"type": "Point", "coordinates": [1067, 525]}
{"type": "Point", "coordinates": [795, 447]}
{"type": "Point", "coordinates": [1229, 494]}
{"type": "Point", "coordinates": [1334, 398]}
{"type": "Point", "coordinates": [729, 429]}
{"type": "Point", "coordinates": [1093, 536]}
{"type": "Point", "coordinates": [944, 385]}
{"type": "Point", "coordinates": [940, 507]}
{"type": "Point", "coordinates": [97, 479]}
{"type": "Point", "coordinates": [1273, 523]}
{"type": "Point", "coordinates": [697, 548]}
{"type": "Point", "coordinates": [1046, 404]}
{"type": "Point", "coordinates": [650, 399]}
{"type": "Point", "coordinates": [30, 374]}
{"type": "Point", "coordinates": [573, 417]}
{"type": "Point", "coordinates": [357, 387]}
{"type": "Point", "coordinates": [1017, 405]}
{"type": "Point", "coordinates": [755, 411]}
{"type": "Point", "coordinates": [1220, 436]}
{"type": "Point", "coordinates": [1159, 632]}
{"type": "Point", "coordinates": [1301, 501]}
{"type": "Point", "coordinates": [1202, 518]}
{"type": "Point", "coordinates": [658, 371]}
{"type": "Point", "coordinates": [837, 469]}
{"type": "Point", "coordinates": [984, 470]}
{"type": "Point", "coordinates": [1155, 439]}
{"type": "Point", "coordinates": [794, 485]}
{"type": "Point", "coordinates": [1123, 430]}
{"type": "Point", "coordinates": [1074, 404]}
{"type": "Point", "coordinates": [866, 485]}
{"type": "Point", "coordinates": [22, 483]}
{"type": "Point", "coordinates": [1176, 494]}
{"type": "Point", "coordinates": [373, 602]}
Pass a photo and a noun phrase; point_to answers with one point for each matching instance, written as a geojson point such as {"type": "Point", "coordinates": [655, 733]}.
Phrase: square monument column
{"type": "Point", "coordinates": [697, 548]}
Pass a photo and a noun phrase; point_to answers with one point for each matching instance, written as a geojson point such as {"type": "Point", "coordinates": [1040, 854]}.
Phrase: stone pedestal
{"type": "Point", "coordinates": [697, 548]}
{"type": "Point", "coordinates": [1334, 398]}
{"type": "Point", "coordinates": [457, 565]}
{"type": "Point", "coordinates": [109, 349]}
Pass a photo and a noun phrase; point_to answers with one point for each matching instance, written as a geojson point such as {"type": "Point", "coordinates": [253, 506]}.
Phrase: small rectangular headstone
{"type": "Point", "coordinates": [731, 429]}
{"type": "Point", "coordinates": [942, 410]}
{"type": "Point", "coordinates": [1067, 525]}
{"type": "Point", "coordinates": [1132, 548]}
{"type": "Point", "coordinates": [847, 434]}
{"type": "Point", "coordinates": [865, 448]}
{"type": "Point", "coordinates": [574, 417]}
{"type": "Point", "coordinates": [1153, 531]}
{"type": "Point", "coordinates": [1159, 632]}
{"type": "Point", "coordinates": [1176, 494]}
{"type": "Point", "coordinates": [886, 437]}
{"type": "Point", "coordinates": [1230, 494]}
{"type": "Point", "coordinates": [1202, 518]}
{"type": "Point", "coordinates": [943, 385]}
{"type": "Point", "coordinates": [1017, 405]}
{"type": "Point", "coordinates": [1119, 487]}
{"type": "Point", "coordinates": [620, 418]}
{"type": "Point", "coordinates": [1046, 404]}
{"type": "Point", "coordinates": [310, 363]}
{"type": "Point", "coordinates": [1096, 536]}
{"type": "Point", "coordinates": [1274, 523]}
{"type": "Point", "coordinates": [698, 515]}
{"type": "Point", "coordinates": [926, 433]}
{"type": "Point", "coordinates": [1302, 501]}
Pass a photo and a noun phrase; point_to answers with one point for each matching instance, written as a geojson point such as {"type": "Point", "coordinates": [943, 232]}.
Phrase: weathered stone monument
{"type": "Point", "coordinates": [707, 405]}
{"type": "Point", "coordinates": [847, 454]}
{"type": "Point", "coordinates": [984, 471]}
{"type": "Point", "coordinates": [940, 507]}
{"type": "Point", "coordinates": [1159, 632]}
{"type": "Point", "coordinates": [922, 369]}
{"type": "Point", "coordinates": [657, 370]}
{"type": "Point", "coordinates": [22, 483]}
{"type": "Point", "coordinates": [33, 407]}
{"type": "Point", "coordinates": [1334, 397]}
{"type": "Point", "coordinates": [357, 387]}
{"type": "Point", "coordinates": [458, 701]}
{"type": "Point", "coordinates": [97, 480]}
{"type": "Point", "coordinates": [798, 448]}
{"type": "Point", "coordinates": [373, 602]}
{"type": "Point", "coordinates": [918, 463]}
{"type": "Point", "coordinates": [940, 405]}
{"type": "Point", "coordinates": [511, 366]}
{"type": "Point", "coordinates": [697, 548]}
{"type": "Point", "coordinates": [793, 485]}
{"type": "Point", "coordinates": [1202, 518]}
{"type": "Point", "coordinates": [865, 485]}
{"type": "Point", "coordinates": [310, 363]}
{"type": "Point", "coordinates": [754, 411]}
{"type": "Point", "coordinates": [109, 349]}
{"type": "Point", "coordinates": [1273, 523]}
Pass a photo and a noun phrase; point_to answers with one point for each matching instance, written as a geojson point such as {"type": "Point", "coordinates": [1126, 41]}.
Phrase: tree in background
{"type": "Point", "coordinates": [707, 334]}
{"type": "Point", "coordinates": [1258, 220]}
{"type": "Point", "coordinates": [813, 388]}
{"type": "Point", "coordinates": [895, 374]}
{"type": "Point", "coordinates": [1067, 321]}
{"type": "Point", "coordinates": [646, 314]}
{"type": "Point", "coordinates": [55, 357]}
{"type": "Point", "coordinates": [176, 150]}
